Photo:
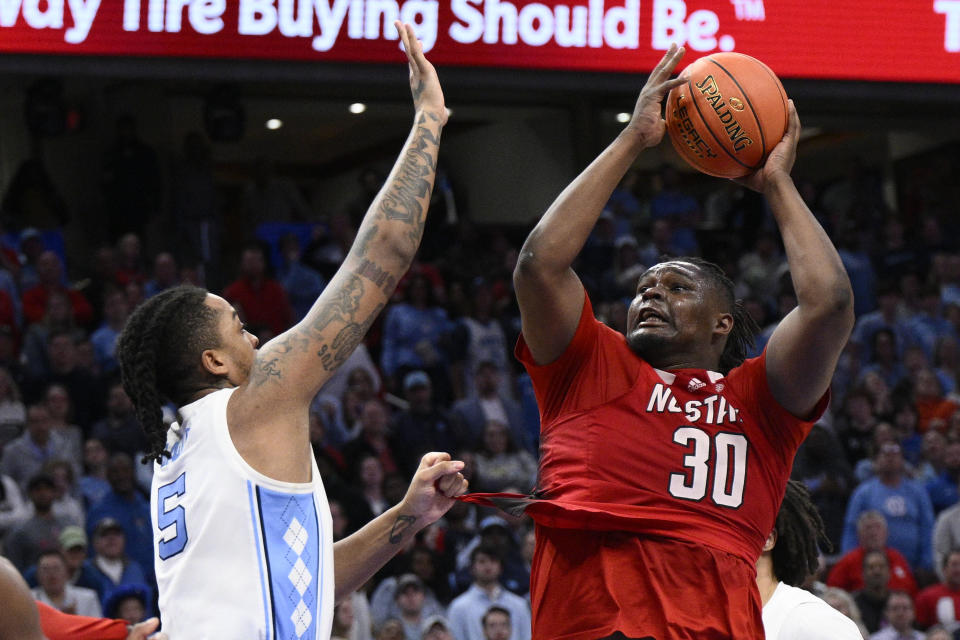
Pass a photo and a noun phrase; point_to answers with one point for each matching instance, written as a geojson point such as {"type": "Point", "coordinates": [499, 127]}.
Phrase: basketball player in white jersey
{"type": "Point", "coordinates": [789, 557]}
{"type": "Point", "coordinates": [242, 529]}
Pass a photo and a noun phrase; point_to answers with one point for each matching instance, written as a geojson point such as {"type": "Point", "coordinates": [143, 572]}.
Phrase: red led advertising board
{"type": "Point", "coordinates": [880, 40]}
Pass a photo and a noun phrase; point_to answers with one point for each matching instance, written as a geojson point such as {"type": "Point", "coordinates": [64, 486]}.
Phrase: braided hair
{"type": "Point", "coordinates": [742, 336]}
{"type": "Point", "coordinates": [800, 532]}
{"type": "Point", "coordinates": [159, 353]}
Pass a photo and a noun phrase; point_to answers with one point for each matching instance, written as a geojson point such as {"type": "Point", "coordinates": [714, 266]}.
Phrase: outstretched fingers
{"type": "Point", "coordinates": [667, 64]}
{"type": "Point", "coordinates": [411, 45]}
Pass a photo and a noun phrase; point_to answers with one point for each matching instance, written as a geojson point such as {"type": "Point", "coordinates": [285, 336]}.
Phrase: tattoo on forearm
{"type": "Point", "coordinates": [400, 527]}
{"type": "Point", "coordinates": [378, 275]}
{"type": "Point", "coordinates": [343, 306]}
{"type": "Point", "coordinates": [402, 201]}
{"type": "Point", "coordinates": [363, 245]}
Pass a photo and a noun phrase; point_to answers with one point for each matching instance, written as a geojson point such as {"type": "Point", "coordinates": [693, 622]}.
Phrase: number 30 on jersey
{"type": "Point", "coordinates": [727, 467]}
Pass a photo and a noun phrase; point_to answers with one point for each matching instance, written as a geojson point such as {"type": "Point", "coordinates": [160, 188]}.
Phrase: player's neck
{"type": "Point", "coordinates": [766, 582]}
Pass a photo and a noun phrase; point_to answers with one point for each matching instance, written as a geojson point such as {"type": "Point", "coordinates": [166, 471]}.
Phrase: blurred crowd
{"type": "Point", "coordinates": [436, 372]}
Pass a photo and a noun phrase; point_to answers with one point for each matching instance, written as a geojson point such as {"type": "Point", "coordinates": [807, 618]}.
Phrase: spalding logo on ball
{"type": "Point", "coordinates": [728, 115]}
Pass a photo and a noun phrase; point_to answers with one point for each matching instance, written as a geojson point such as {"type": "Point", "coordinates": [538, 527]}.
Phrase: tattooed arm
{"type": "Point", "coordinates": [430, 495]}
{"type": "Point", "coordinates": [267, 414]}
{"type": "Point", "coordinates": [296, 363]}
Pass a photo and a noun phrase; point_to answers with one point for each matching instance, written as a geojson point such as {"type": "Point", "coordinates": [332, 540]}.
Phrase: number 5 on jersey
{"type": "Point", "coordinates": [173, 517]}
{"type": "Point", "coordinates": [729, 467]}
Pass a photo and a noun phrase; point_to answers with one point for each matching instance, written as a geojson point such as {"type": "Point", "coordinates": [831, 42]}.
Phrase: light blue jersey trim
{"type": "Point", "coordinates": [263, 582]}
{"type": "Point", "coordinates": [292, 552]}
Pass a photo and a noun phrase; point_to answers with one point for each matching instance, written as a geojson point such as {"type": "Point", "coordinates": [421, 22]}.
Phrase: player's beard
{"type": "Point", "coordinates": [648, 346]}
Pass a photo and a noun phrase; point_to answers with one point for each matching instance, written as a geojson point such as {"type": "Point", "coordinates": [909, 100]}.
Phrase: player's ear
{"type": "Point", "coordinates": [214, 362]}
{"type": "Point", "coordinates": [723, 324]}
{"type": "Point", "coordinates": [771, 541]}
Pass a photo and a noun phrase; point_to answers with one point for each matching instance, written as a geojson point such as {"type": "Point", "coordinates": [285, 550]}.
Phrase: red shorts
{"type": "Point", "coordinates": [586, 585]}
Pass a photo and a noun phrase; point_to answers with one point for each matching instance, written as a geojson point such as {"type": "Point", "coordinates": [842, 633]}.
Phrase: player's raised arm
{"type": "Point", "coordinates": [804, 349]}
{"type": "Point", "coordinates": [549, 292]}
{"type": "Point", "coordinates": [293, 366]}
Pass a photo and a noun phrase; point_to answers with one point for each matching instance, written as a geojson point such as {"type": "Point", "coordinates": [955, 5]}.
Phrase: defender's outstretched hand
{"type": "Point", "coordinates": [646, 120]}
{"type": "Point", "coordinates": [780, 161]}
{"type": "Point", "coordinates": [424, 83]}
{"type": "Point", "coordinates": [434, 486]}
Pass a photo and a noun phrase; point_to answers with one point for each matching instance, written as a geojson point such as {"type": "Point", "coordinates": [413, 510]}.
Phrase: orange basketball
{"type": "Point", "coordinates": [728, 116]}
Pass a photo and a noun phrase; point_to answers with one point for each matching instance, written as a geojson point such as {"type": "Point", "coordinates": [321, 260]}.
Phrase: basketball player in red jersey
{"type": "Point", "coordinates": [665, 455]}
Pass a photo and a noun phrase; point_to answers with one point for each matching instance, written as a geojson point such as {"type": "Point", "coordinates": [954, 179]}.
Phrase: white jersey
{"type": "Point", "coordinates": [795, 614]}
{"type": "Point", "coordinates": [239, 556]}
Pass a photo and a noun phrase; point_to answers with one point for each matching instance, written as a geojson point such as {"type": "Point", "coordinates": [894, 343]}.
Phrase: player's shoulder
{"type": "Point", "coordinates": [812, 618]}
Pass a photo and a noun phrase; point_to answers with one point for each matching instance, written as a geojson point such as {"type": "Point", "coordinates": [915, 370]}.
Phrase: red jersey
{"type": "Point", "coordinates": [847, 574]}
{"type": "Point", "coordinates": [938, 604]}
{"type": "Point", "coordinates": [691, 463]}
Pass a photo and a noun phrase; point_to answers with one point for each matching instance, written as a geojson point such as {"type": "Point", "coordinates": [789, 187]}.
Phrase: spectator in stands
{"type": "Point", "coordinates": [903, 502]}
{"type": "Point", "coordinates": [93, 483]}
{"type": "Point", "coordinates": [128, 603]}
{"type": "Point", "coordinates": [412, 333]}
{"type": "Point", "coordinates": [263, 300]}
{"type": "Point", "coordinates": [422, 427]}
{"type": "Point", "coordinates": [496, 623]}
{"type": "Point", "coordinates": [40, 532]}
{"type": "Point", "coordinates": [13, 414]}
{"type": "Point", "coordinates": [13, 508]}
{"type": "Point", "coordinates": [425, 564]}
{"type": "Point", "coordinates": [110, 560]}
{"type": "Point", "coordinates": [24, 457]}
{"type": "Point", "coordinates": [933, 409]}
{"type": "Point", "coordinates": [130, 266]}
{"type": "Point", "coordinates": [58, 318]}
{"type": "Point", "coordinates": [855, 425]}
{"type": "Point", "coordinates": [50, 276]}
{"type": "Point", "coordinates": [927, 324]}
{"type": "Point", "coordinates": [847, 574]}
{"type": "Point", "coordinates": [80, 570]}
{"type": "Point", "coordinates": [86, 394]}
{"type": "Point", "coordinates": [886, 360]}
{"type": "Point", "coordinates": [165, 275]}
{"type": "Point", "coordinates": [55, 590]}
{"type": "Point", "coordinates": [120, 431]}
{"type": "Point", "coordinates": [942, 489]}
{"type": "Point", "coordinates": [436, 628]}
{"type": "Point", "coordinates": [124, 504]}
{"type": "Point", "coordinates": [369, 476]}
{"type": "Point", "coordinates": [872, 599]}
{"type": "Point", "coordinates": [104, 339]}
{"type": "Point", "coordinates": [946, 360]}
{"type": "Point", "coordinates": [496, 534]}
{"type": "Point", "coordinates": [820, 464]}
{"type": "Point", "coordinates": [500, 463]}
{"type": "Point", "coordinates": [66, 506]}
{"type": "Point", "coordinates": [57, 401]}
{"type": "Point", "coordinates": [409, 597]}
{"type": "Point", "coordinates": [478, 338]}
{"type": "Point", "coordinates": [302, 282]}
{"type": "Point", "coordinates": [940, 603]}
{"type": "Point", "coordinates": [467, 610]}
{"type": "Point", "coordinates": [487, 402]}
{"type": "Point", "coordinates": [899, 614]}
{"type": "Point", "coordinates": [374, 438]}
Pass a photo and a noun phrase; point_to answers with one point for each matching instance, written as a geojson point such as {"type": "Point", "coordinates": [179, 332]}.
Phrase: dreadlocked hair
{"type": "Point", "coordinates": [742, 336]}
{"type": "Point", "coordinates": [800, 533]}
{"type": "Point", "coordinates": [159, 354]}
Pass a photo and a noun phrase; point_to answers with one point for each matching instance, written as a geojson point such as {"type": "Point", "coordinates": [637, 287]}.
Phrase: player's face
{"type": "Point", "coordinates": [237, 345]}
{"type": "Point", "coordinates": [675, 309]}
